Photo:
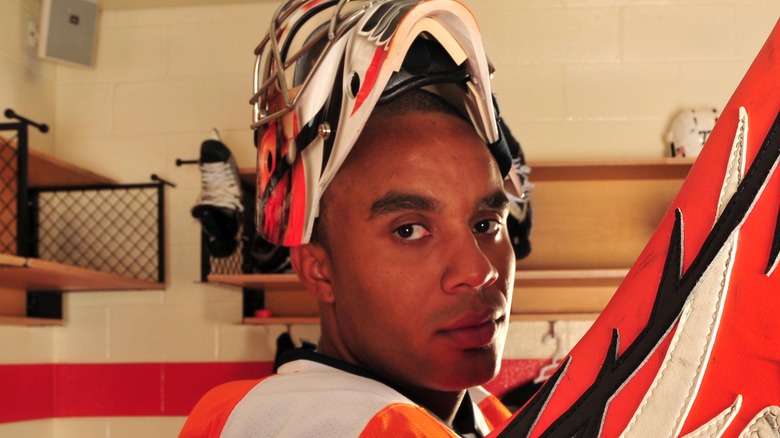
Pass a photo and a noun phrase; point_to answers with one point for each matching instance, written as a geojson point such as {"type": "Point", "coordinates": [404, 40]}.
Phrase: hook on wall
{"type": "Point", "coordinates": [560, 352]}
{"type": "Point", "coordinates": [180, 162]}
{"type": "Point", "coordinates": [156, 178]}
{"type": "Point", "coordinates": [11, 114]}
{"type": "Point", "coordinates": [214, 136]}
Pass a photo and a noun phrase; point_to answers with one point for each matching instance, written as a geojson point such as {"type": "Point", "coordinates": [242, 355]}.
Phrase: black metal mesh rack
{"type": "Point", "coordinates": [116, 229]}
{"type": "Point", "coordinates": [231, 265]}
{"type": "Point", "coordinates": [112, 229]}
{"type": "Point", "coordinates": [240, 261]}
{"type": "Point", "coordinates": [9, 187]}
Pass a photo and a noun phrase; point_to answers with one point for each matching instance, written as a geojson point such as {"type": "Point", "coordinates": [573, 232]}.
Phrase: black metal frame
{"type": "Point", "coordinates": [44, 304]}
{"type": "Point", "coordinates": [48, 304]}
{"type": "Point", "coordinates": [22, 138]}
{"type": "Point", "coordinates": [118, 190]}
{"type": "Point", "coordinates": [22, 233]}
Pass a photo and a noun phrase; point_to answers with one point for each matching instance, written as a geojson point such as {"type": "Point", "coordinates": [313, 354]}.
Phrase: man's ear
{"type": "Point", "coordinates": [312, 265]}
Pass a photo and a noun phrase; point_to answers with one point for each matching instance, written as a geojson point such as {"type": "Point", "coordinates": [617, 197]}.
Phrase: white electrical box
{"type": "Point", "coordinates": [69, 31]}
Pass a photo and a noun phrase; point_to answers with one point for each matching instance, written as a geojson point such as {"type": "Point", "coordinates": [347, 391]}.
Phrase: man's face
{"type": "Point", "coordinates": [422, 267]}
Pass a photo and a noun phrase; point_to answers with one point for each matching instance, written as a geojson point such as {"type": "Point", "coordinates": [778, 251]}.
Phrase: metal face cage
{"type": "Point", "coordinates": [273, 95]}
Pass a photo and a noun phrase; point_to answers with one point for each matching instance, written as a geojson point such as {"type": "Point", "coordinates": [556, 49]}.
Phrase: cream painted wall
{"type": "Point", "coordinates": [603, 78]}
{"type": "Point", "coordinates": [576, 79]}
{"type": "Point", "coordinates": [164, 78]}
{"type": "Point", "coordinates": [29, 84]}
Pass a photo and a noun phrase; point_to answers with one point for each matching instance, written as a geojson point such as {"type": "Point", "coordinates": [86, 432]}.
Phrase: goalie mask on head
{"type": "Point", "coordinates": [325, 65]}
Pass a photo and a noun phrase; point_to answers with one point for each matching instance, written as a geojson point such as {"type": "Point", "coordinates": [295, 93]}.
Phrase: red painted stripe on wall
{"type": "Point", "coordinates": [104, 389]}
{"type": "Point", "coordinates": [29, 392]}
{"type": "Point", "coordinates": [26, 392]}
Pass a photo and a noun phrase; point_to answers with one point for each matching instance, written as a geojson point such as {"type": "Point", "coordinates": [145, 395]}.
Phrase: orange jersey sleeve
{"type": "Point", "coordinates": [209, 416]}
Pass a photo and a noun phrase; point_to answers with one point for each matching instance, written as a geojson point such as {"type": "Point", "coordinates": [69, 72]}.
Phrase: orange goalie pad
{"type": "Point", "coordinates": [690, 343]}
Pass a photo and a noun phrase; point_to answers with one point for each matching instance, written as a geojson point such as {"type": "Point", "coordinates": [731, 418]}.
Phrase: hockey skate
{"type": "Point", "coordinates": [219, 205]}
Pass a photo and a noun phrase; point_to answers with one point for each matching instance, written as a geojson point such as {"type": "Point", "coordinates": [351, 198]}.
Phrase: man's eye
{"type": "Point", "coordinates": [411, 232]}
{"type": "Point", "coordinates": [488, 226]}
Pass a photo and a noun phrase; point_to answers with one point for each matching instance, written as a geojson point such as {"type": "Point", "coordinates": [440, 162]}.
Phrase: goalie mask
{"type": "Point", "coordinates": [325, 65]}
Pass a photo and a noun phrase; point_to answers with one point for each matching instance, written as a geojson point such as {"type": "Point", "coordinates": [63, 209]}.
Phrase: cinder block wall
{"type": "Point", "coordinates": [576, 79]}
{"type": "Point", "coordinates": [603, 78]}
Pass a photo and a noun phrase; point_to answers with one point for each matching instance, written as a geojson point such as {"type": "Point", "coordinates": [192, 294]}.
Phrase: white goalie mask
{"type": "Point", "coordinates": [320, 71]}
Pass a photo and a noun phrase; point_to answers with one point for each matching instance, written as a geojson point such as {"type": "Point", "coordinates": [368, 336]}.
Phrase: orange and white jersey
{"type": "Point", "coordinates": [310, 398]}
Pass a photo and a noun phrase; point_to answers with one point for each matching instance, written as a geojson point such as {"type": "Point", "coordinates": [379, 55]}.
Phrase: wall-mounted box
{"type": "Point", "coordinates": [69, 31]}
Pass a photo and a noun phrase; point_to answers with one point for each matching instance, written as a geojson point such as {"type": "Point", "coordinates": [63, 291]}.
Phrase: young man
{"type": "Point", "coordinates": [395, 210]}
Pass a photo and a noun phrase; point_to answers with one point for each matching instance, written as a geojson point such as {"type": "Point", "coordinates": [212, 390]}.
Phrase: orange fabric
{"type": "Point", "coordinates": [407, 421]}
{"type": "Point", "coordinates": [744, 358]}
{"type": "Point", "coordinates": [209, 416]}
{"type": "Point", "coordinates": [494, 411]}
{"type": "Point", "coordinates": [403, 420]}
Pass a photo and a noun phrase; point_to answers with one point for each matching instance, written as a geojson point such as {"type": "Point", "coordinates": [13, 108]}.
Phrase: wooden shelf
{"type": "Point", "coordinates": [590, 217]}
{"type": "Point", "coordinates": [538, 295]}
{"type": "Point", "coordinates": [32, 274]}
{"type": "Point", "coordinates": [627, 169]}
{"type": "Point", "coordinates": [21, 275]}
{"type": "Point", "coordinates": [292, 320]}
{"type": "Point", "coordinates": [40, 275]}
{"type": "Point", "coordinates": [247, 175]}
{"type": "Point", "coordinates": [47, 171]}
{"type": "Point", "coordinates": [547, 278]}
{"type": "Point", "coordinates": [569, 277]}
{"type": "Point", "coordinates": [599, 214]}
{"type": "Point", "coordinates": [567, 170]}
{"type": "Point", "coordinates": [12, 261]}
{"type": "Point", "coordinates": [257, 281]}
{"type": "Point", "coordinates": [283, 320]}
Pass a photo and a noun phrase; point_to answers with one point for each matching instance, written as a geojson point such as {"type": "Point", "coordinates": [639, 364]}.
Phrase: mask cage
{"type": "Point", "coordinates": [273, 96]}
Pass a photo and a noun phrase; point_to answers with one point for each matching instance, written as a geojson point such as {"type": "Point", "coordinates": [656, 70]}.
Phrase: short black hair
{"type": "Point", "coordinates": [418, 100]}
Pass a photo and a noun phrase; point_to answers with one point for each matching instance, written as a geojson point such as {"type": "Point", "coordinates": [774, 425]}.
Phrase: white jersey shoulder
{"type": "Point", "coordinates": [307, 399]}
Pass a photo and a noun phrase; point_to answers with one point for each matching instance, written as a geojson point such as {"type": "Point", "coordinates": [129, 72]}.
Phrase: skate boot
{"type": "Point", "coordinates": [219, 205]}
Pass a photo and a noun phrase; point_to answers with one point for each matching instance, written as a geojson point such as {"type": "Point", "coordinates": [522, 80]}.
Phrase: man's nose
{"type": "Point", "coordinates": [468, 267]}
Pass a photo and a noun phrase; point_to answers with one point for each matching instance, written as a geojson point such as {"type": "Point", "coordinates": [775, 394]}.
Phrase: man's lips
{"type": "Point", "coordinates": [474, 330]}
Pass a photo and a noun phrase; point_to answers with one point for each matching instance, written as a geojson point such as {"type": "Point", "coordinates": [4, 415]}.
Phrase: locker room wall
{"type": "Point", "coordinates": [577, 79]}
